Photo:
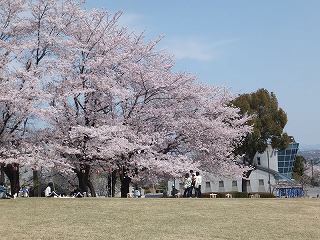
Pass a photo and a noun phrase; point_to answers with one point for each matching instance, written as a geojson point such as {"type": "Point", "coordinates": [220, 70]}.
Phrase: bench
{"type": "Point", "coordinates": [228, 195]}
{"type": "Point", "coordinates": [213, 195]}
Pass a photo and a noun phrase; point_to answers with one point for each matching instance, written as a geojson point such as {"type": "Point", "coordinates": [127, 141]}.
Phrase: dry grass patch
{"type": "Point", "coordinates": [88, 218]}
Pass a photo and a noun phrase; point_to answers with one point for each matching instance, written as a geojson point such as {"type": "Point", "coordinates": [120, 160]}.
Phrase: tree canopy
{"type": "Point", "coordinates": [298, 167]}
{"type": "Point", "coordinates": [107, 97]}
{"type": "Point", "coordinates": [268, 121]}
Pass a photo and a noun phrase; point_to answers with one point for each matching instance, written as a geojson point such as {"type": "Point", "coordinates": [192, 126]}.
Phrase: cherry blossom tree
{"type": "Point", "coordinates": [109, 99]}
{"type": "Point", "coordinates": [15, 105]}
{"type": "Point", "coordinates": [27, 40]}
{"type": "Point", "coordinates": [120, 105]}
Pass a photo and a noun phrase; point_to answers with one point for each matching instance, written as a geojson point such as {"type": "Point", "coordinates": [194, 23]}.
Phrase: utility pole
{"type": "Point", "coordinates": [269, 171]}
{"type": "Point", "coordinates": [312, 178]}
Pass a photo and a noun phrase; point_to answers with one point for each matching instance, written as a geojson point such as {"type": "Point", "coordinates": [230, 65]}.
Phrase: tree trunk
{"type": "Point", "coordinates": [244, 185]}
{"type": "Point", "coordinates": [111, 185]}
{"type": "Point", "coordinates": [36, 184]}
{"type": "Point", "coordinates": [246, 174]}
{"type": "Point", "coordinates": [84, 179]}
{"type": "Point", "coordinates": [2, 177]}
{"type": "Point", "coordinates": [83, 185]}
{"type": "Point", "coordinates": [125, 185]}
{"type": "Point", "coordinates": [92, 191]}
{"type": "Point", "coordinates": [12, 172]}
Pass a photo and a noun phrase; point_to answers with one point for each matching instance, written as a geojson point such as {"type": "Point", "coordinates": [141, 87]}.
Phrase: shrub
{"type": "Point", "coordinates": [238, 194]}
{"type": "Point", "coordinates": [266, 195]}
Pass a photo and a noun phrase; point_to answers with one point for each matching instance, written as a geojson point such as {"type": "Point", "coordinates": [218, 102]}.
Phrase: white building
{"type": "Point", "coordinates": [262, 179]}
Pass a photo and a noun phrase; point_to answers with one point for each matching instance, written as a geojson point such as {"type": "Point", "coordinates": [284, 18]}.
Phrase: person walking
{"type": "Point", "coordinates": [198, 185]}
{"type": "Point", "coordinates": [187, 185]}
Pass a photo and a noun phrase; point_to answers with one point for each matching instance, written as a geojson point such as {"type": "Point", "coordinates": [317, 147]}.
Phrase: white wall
{"type": "Point", "coordinates": [209, 185]}
{"type": "Point", "coordinates": [273, 159]}
{"type": "Point", "coordinates": [212, 185]}
{"type": "Point", "coordinates": [254, 178]}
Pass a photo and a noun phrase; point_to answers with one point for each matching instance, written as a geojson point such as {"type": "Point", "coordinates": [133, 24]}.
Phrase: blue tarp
{"type": "Point", "coordinates": [290, 192]}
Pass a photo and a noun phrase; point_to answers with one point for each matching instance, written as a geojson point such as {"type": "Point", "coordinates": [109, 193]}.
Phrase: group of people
{"type": "Point", "coordinates": [51, 192]}
{"type": "Point", "coordinates": [48, 192]}
{"type": "Point", "coordinates": [5, 193]}
{"type": "Point", "coordinates": [24, 192]}
{"type": "Point", "coordinates": [192, 181]}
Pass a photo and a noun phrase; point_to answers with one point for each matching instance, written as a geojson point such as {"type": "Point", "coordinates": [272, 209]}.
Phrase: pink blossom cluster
{"type": "Point", "coordinates": [78, 88]}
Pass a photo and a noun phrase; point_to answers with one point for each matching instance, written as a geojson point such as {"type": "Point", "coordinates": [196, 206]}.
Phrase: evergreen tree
{"type": "Point", "coordinates": [268, 121]}
{"type": "Point", "coordinates": [298, 167]}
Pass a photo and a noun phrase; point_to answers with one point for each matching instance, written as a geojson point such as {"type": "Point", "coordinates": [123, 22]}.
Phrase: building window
{"type": "Point", "coordinates": [258, 160]}
{"type": "Point", "coordinates": [221, 184]}
{"type": "Point", "coordinates": [261, 182]}
{"type": "Point", "coordinates": [234, 184]}
{"type": "Point", "coordinates": [248, 183]}
{"type": "Point", "coordinates": [208, 185]}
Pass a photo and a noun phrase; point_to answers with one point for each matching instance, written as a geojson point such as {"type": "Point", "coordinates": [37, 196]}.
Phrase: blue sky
{"type": "Point", "coordinates": [243, 45]}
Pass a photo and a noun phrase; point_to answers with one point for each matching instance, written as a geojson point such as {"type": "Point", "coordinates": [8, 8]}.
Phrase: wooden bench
{"type": "Point", "coordinates": [213, 195]}
{"type": "Point", "coordinates": [256, 195]}
{"type": "Point", "coordinates": [228, 195]}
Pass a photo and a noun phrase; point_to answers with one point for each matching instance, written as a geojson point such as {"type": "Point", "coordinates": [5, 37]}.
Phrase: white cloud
{"type": "Point", "coordinates": [130, 18]}
{"type": "Point", "coordinates": [195, 48]}
{"type": "Point", "coordinates": [133, 21]}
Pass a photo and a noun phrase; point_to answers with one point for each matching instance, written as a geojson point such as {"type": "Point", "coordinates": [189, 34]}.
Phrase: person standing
{"type": "Point", "coordinates": [198, 185]}
{"type": "Point", "coordinates": [193, 181]}
{"type": "Point", "coordinates": [187, 185]}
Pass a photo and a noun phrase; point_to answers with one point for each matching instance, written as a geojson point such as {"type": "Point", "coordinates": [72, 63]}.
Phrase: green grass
{"type": "Point", "coordinates": [41, 218]}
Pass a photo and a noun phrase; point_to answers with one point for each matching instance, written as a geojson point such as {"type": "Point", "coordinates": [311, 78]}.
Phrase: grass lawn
{"type": "Point", "coordinates": [88, 218]}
